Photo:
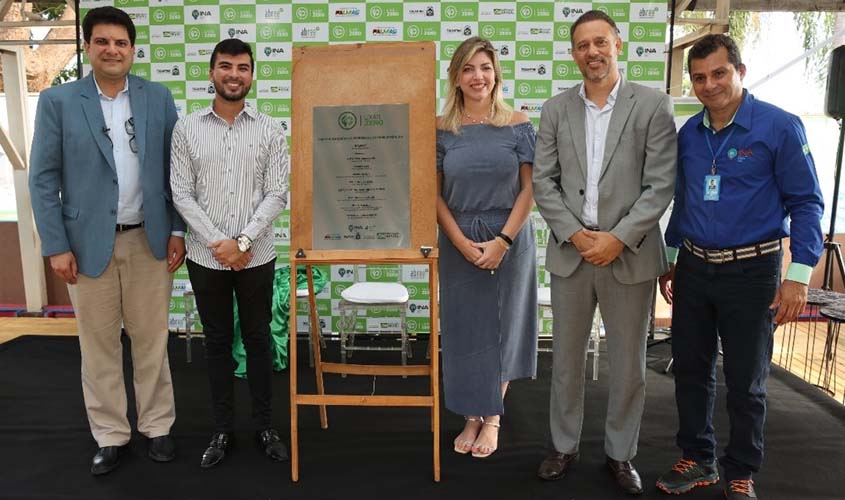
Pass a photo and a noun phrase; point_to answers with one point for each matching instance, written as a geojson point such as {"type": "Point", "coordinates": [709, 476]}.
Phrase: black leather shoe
{"type": "Point", "coordinates": [626, 476]}
{"type": "Point", "coordinates": [162, 449]}
{"type": "Point", "coordinates": [106, 460]}
{"type": "Point", "coordinates": [217, 448]}
{"type": "Point", "coordinates": [269, 441]}
{"type": "Point", "coordinates": [556, 466]}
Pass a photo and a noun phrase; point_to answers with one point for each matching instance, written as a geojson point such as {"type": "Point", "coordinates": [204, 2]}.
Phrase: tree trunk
{"type": "Point", "coordinates": [45, 62]}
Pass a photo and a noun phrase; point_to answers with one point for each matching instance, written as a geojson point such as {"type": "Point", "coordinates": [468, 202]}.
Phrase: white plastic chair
{"type": "Point", "coordinates": [365, 295]}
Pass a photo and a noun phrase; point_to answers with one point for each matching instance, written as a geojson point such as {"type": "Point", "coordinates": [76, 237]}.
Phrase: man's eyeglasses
{"type": "Point", "coordinates": [129, 127]}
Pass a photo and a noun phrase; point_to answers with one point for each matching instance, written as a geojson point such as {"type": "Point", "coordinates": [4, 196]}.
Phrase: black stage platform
{"type": "Point", "coordinates": [370, 453]}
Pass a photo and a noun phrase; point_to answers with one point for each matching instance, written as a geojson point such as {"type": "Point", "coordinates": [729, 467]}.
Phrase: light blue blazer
{"type": "Point", "coordinates": [72, 177]}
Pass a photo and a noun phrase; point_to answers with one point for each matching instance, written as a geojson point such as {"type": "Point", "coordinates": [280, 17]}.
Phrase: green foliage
{"type": "Point", "coordinates": [64, 76]}
{"type": "Point", "coordinates": [815, 27]}
{"type": "Point", "coordinates": [49, 10]}
{"type": "Point", "coordinates": [744, 27]}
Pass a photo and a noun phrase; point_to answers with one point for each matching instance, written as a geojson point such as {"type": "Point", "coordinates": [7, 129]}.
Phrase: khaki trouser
{"type": "Point", "coordinates": [135, 290]}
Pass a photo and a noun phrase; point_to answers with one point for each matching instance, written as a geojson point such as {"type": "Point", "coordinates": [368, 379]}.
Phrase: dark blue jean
{"type": "Point", "coordinates": [728, 301]}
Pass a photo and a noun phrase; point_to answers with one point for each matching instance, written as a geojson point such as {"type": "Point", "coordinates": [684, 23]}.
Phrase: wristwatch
{"type": "Point", "coordinates": [244, 243]}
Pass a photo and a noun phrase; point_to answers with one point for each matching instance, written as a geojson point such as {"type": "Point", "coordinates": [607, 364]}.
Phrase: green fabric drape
{"type": "Point", "coordinates": [279, 322]}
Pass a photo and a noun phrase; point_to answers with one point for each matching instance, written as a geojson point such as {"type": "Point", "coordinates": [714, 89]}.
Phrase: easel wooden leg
{"type": "Point", "coordinates": [315, 342]}
{"type": "Point", "coordinates": [434, 342]}
{"type": "Point", "coordinates": [294, 424]}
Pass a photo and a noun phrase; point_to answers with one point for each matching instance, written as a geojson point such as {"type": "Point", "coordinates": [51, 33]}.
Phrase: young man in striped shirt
{"type": "Point", "coordinates": [229, 180]}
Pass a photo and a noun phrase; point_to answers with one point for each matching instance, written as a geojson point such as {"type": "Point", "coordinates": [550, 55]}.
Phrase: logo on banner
{"type": "Point", "coordinates": [649, 13]}
{"type": "Point", "coordinates": [348, 12]}
{"type": "Point", "coordinates": [567, 11]}
{"type": "Point", "coordinates": [639, 32]}
{"type": "Point", "coordinates": [636, 70]}
{"type": "Point", "coordinates": [641, 51]}
{"type": "Point", "coordinates": [562, 71]}
{"type": "Point", "coordinates": [301, 13]}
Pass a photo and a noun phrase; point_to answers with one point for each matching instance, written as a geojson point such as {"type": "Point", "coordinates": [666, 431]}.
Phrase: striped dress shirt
{"type": "Point", "coordinates": [229, 180]}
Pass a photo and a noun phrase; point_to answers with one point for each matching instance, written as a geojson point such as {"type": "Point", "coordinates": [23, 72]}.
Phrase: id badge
{"type": "Point", "coordinates": [712, 186]}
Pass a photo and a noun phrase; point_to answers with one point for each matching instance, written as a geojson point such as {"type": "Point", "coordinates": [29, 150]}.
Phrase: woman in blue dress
{"type": "Point", "coordinates": [488, 283]}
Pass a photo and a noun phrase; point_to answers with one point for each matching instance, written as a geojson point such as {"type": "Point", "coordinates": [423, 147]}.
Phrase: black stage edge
{"type": "Point", "coordinates": [370, 453]}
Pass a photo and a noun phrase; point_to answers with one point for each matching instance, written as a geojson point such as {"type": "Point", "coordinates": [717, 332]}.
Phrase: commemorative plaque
{"type": "Point", "coordinates": [361, 177]}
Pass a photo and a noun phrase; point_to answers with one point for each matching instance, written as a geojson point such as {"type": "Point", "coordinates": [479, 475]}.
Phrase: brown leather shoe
{"type": "Point", "coordinates": [556, 466]}
{"type": "Point", "coordinates": [626, 476]}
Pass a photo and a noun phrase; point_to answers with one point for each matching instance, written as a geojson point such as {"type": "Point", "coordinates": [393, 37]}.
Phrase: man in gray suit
{"type": "Point", "coordinates": [604, 173]}
{"type": "Point", "coordinates": [100, 186]}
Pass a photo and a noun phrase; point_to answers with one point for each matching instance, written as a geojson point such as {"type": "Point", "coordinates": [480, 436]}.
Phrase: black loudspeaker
{"type": "Point", "coordinates": [835, 101]}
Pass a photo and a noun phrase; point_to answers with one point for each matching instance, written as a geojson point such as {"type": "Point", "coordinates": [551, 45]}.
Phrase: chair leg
{"type": "Point", "coordinates": [403, 332]}
{"type": "Point", "coordinates": [343, 327]}
{"type": "Point", "coordinates": [310, 347]}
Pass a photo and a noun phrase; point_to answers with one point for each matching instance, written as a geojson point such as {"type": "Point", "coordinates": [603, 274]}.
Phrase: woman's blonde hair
{"type": "Point", "coordinates": [453, 110]}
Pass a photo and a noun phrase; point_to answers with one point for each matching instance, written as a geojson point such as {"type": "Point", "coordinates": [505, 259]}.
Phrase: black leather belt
{"type": "Point", "coordinates": [126, 227]}
{"type": "Point", "coordinates": [723, 256]}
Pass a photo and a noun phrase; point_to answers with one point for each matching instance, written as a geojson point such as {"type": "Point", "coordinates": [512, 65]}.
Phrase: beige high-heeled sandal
{"type": "Point", "coordinates": [464, 446]}
{"type": "Point", "coordinates": [481, 453]}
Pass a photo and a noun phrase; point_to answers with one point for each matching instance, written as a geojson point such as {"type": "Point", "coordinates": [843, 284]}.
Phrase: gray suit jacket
{"type": "Point", "coordinates": [73, 181]}
{"type": "Point", "coordinates": [635, 187]}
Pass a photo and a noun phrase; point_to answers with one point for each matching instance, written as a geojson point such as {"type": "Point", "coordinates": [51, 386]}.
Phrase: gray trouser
{"type": "Point", "coordinates": [625, 312]}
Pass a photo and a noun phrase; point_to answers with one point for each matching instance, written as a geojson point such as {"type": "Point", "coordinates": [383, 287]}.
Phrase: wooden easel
{"type": "Point", "coordinates": [350, 75]}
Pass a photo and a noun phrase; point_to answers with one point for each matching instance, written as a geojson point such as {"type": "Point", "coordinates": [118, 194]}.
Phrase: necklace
{"type": "Point", "coordinates": [477, 120]}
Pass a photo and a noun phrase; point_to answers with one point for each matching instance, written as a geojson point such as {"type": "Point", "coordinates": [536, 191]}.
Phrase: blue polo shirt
{"type": "Point", "coordinates": [769, 188]}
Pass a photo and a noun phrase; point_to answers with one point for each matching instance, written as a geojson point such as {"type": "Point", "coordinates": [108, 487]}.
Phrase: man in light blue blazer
{"type": "Point", "coordinates": [99, 182]}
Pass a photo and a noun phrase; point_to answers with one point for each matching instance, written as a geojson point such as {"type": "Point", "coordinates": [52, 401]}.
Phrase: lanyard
{"type": "Point", "coordinates": [721, 147]}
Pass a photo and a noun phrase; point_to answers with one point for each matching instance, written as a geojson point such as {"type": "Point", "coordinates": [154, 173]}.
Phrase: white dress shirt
{"type": "Point", "coordinates": [596, 122]}
{"type": "Point", "coordinates": [229, 180]}
{"type": "Point", "coordinates": [117, 112]}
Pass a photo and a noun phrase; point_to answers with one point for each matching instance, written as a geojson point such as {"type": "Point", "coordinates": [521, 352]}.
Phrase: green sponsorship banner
{"type": "Point", "coordinates": [535, 11]}
{"type": "Point", "coordinates": [653, 71]}
{"type": "Point", "coordinates": [175, 38]}
{"type": "Point", "coordinates": [459, 11]}
{"type": "Point", "coordinates": [535, 51]}
{"type": "Point", "coordinates": [347, 32]}
{"type": "Point", "coordinates": [274, 70]}
{"type": "Point", "coordinates": [498, 31]}
{"type": "Point", "coordinates": [422, 31]}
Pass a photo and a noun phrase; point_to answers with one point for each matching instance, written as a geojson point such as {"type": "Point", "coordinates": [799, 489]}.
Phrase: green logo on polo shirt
{"type": "Point", "coordinates": [732, 153]}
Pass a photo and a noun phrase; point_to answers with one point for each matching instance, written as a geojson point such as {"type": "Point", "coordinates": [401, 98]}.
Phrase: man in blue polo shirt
{"type": "Point", "coordinates": [746, 179]}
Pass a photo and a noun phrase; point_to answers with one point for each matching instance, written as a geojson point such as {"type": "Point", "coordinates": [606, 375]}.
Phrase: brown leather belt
{"type": "Point", "coordinates": [723, 256]}
{"type": "Point", "coordinates": [126, 227]}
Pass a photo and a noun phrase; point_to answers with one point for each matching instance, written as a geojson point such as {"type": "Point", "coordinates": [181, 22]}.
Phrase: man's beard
{"type": "Point", "coordinates": [221, 91]}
